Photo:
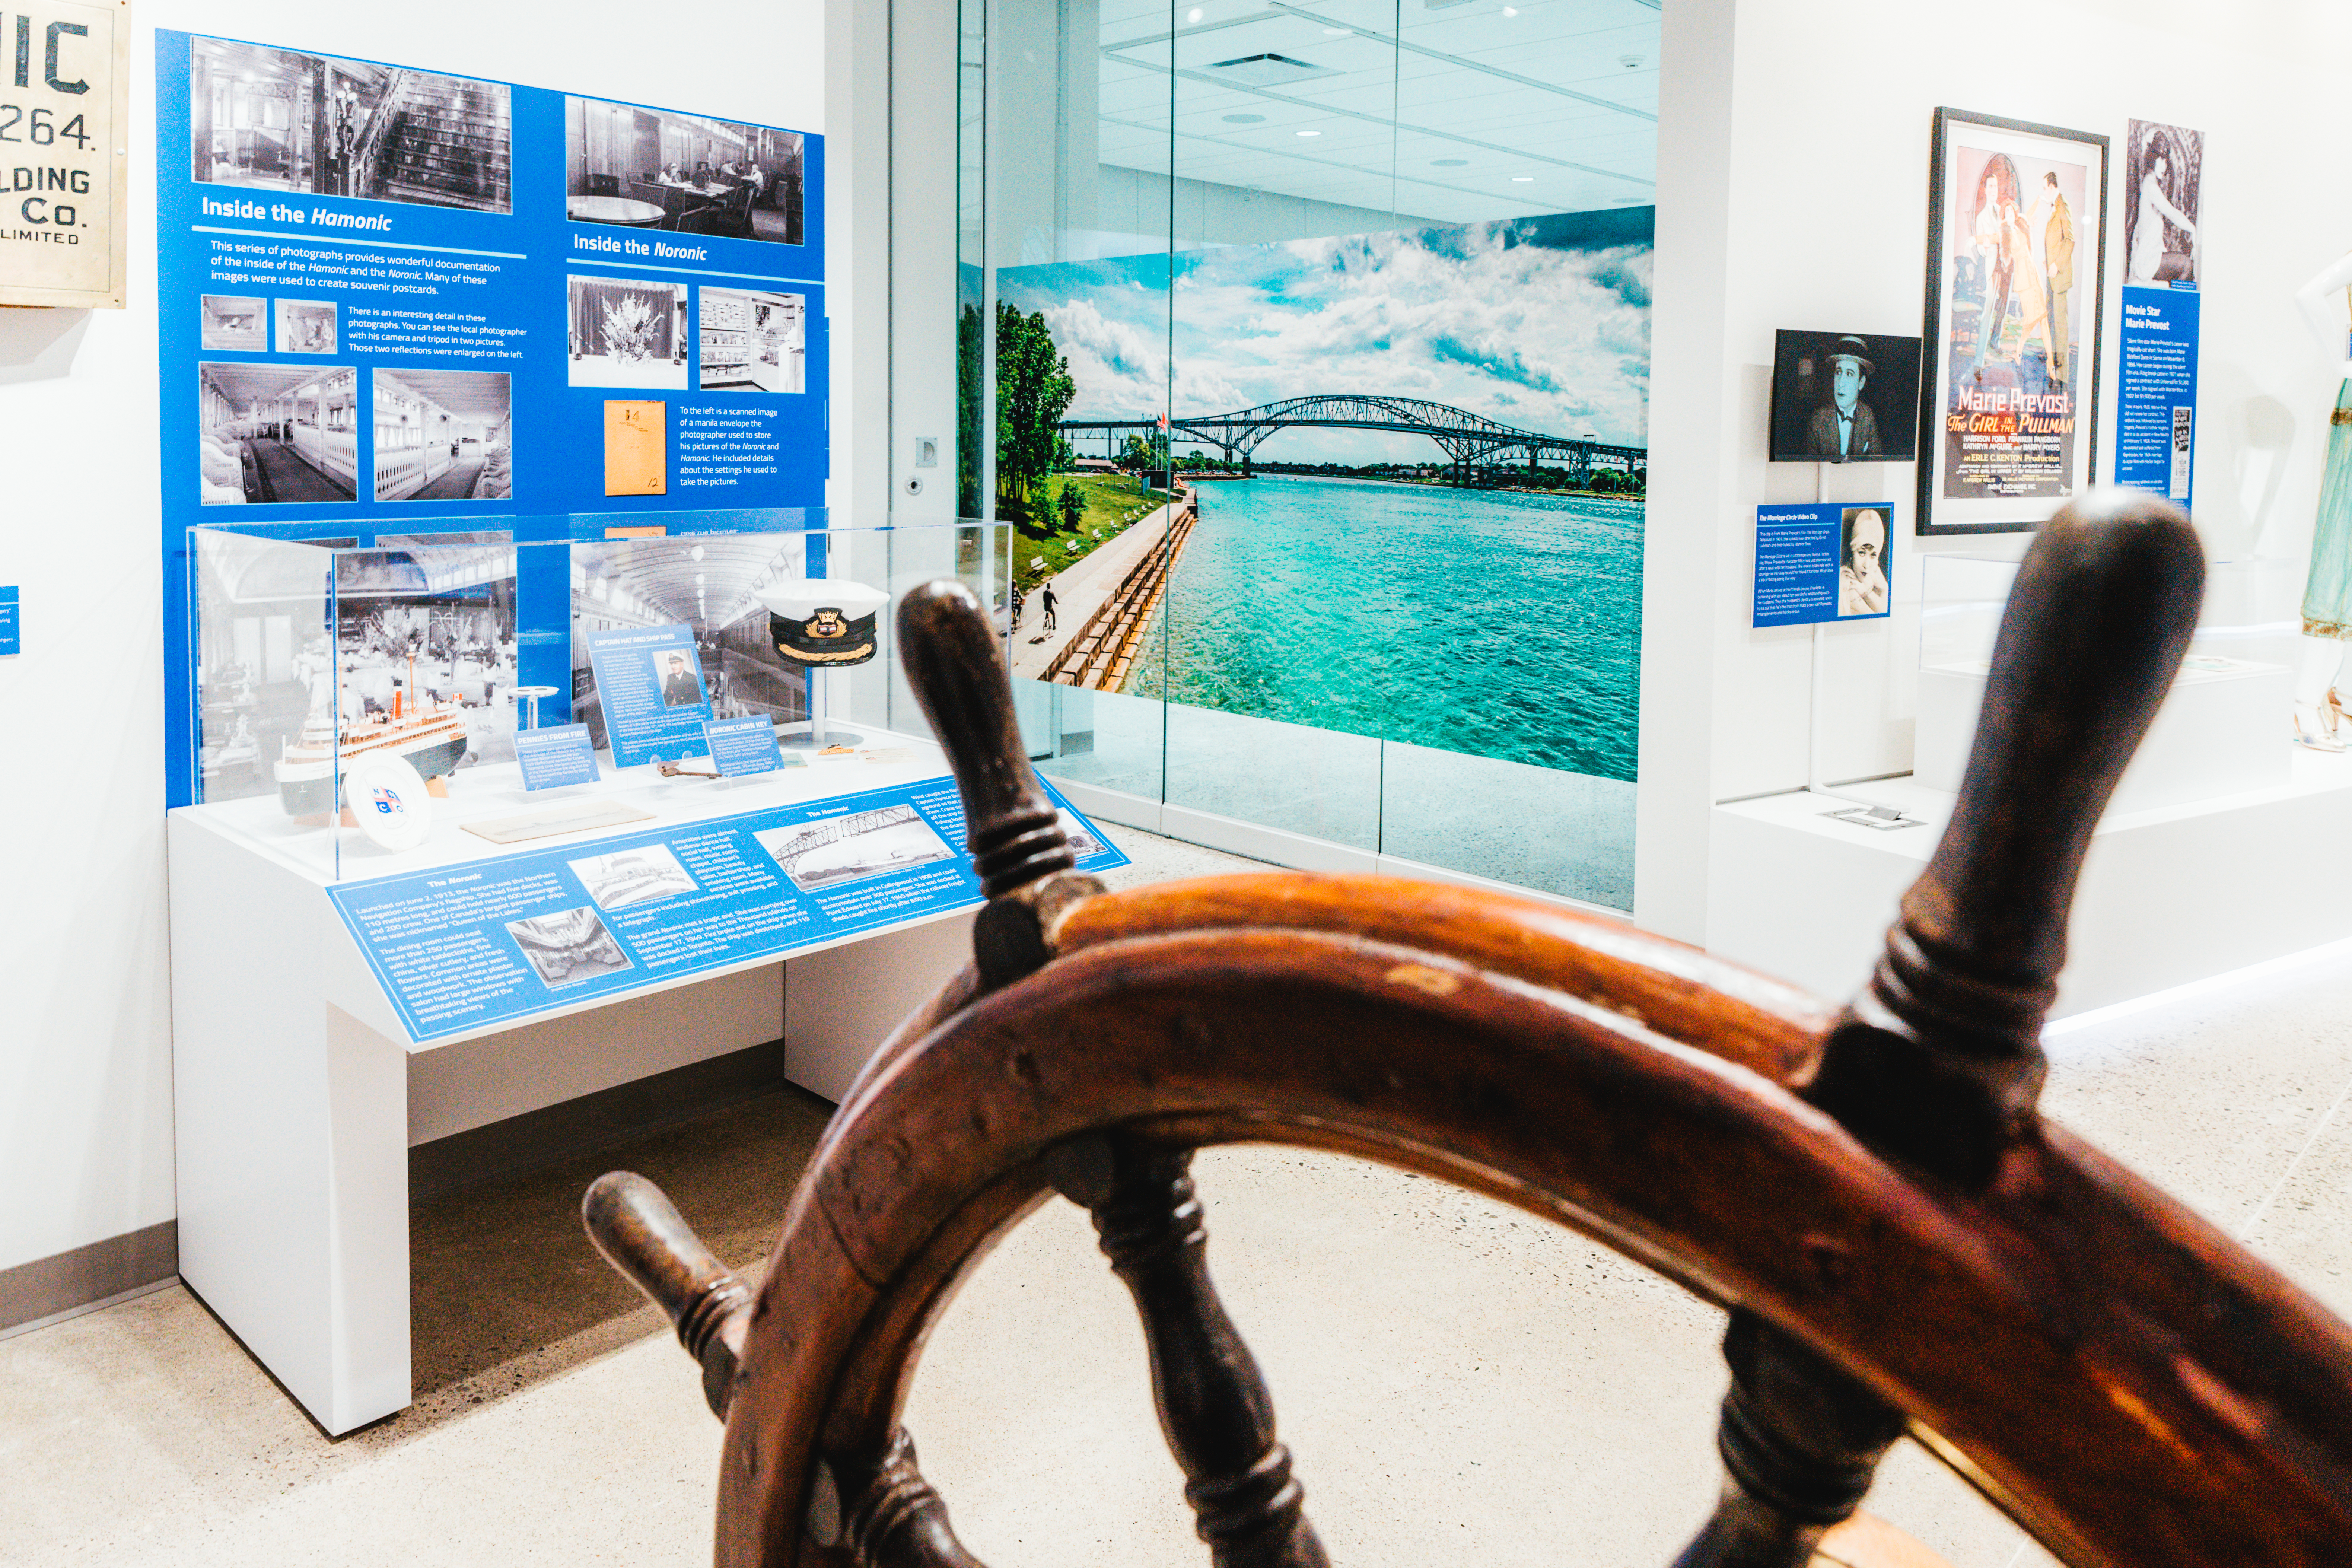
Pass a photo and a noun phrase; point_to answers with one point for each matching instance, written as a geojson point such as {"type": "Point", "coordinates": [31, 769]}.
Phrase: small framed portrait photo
{"type": "Point", "coordinates": [2016, 269]}
{"type": "Point", "coordinates": [1844, 397]}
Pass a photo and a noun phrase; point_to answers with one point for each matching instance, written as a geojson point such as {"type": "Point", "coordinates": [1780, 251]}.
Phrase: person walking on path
{"type": "Point", "coordinates": [1045, 592]}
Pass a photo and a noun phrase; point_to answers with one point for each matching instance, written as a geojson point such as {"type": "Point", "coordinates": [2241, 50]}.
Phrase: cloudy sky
{"type": "Point", "coordinates": [1532, 322]}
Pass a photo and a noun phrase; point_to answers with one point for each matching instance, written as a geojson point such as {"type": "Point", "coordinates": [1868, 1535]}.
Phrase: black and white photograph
{"type": "Point", "coordinates": [625, 332]}
{"type": "Point", "coordinates": [755, 341]}
{"type": "Point", "coordinates": [274, 434]}
{"type": "Point", "coordinates": [641, 876]}
{"type": "Point", "coordinates": [1844, 397]}
{"type": "Point", "coordinates": [234, 324]}
{"type": "Point", "coordinates": [426, 630]}
{"type": "Point", "coordinates": [569, 946]}
{"type": "Point", "coordinates": [443, 435]}
{"type": "Point", "coordinates": [1082, 843]}
{"type": "Point", "coordinates": [275, 120]}
{"type": "Point", "coordinates": [634, 167]}
{"type": "Point", "coordinates": [306, 326]}
{"type": "Point", "coordinates": [820, 855]}
{"type": "Point", "coordinates": [1864, 534]}
{"type": "Point", "coordinates": [706, 583]}
{"type": "Point", "coordinates": [2163, 165]}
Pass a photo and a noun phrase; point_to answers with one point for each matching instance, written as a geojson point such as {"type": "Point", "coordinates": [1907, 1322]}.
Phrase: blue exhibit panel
{"type": "Point", "coordinates": [1824, 562]}
{"type": "Point", "coordinates": [465, 947]}
{"type": "Point", "coordinates": [555, 755]}
{"type": "Point", "coordinates": [12, 636]}
{"type": "Point", "coordinates": [429, 305]}
{"type": "Point", "coordinates": [2156, 392]}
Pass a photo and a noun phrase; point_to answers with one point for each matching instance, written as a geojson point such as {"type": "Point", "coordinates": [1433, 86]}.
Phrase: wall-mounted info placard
{"type": "Point", "coordinates": [461, 948]}
{"type": "Point", "coordinates": [64, 92]}
{"type": "Point", "coordinates": [1821, 562]}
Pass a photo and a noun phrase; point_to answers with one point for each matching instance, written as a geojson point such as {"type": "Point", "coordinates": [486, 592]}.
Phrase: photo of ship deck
{"type": "Point", "coordinates": [277, 433]}
{"type": "Point", "coordinates": [443, 435]}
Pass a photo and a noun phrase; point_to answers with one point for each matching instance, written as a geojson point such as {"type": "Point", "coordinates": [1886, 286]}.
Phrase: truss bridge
{"type": "Point", "coordinates": [1470, 441]}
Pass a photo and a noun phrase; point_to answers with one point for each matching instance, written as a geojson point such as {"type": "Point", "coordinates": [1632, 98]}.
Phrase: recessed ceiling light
{"type": "Point", "coordinates": [1511, 10]}
{"type": "Point", "coordinates": [1338, 32]}
{"type": "Point", "coordinates": [1311, 134]}
{"type": "Point", "coordinates": [1244, 119]}
{"type": "Point", "coordinates": [1521, 179]}
{"type": "Point", "coordinates": [1449, 162]}
{"type": "Point", "coordinates": [1194, 15]}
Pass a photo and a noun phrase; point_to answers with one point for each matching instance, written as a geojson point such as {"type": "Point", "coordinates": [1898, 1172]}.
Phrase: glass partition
{"type": "Point", "coordinates": [439, 649]}
{"type": "Point", "coordinates": [1315, 396]}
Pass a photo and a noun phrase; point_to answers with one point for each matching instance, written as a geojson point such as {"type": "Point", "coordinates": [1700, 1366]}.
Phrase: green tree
{"type": "Point", "coordinates": [1034, 389]}
{"type": "Point", "coordinates": [1072, 505]}
{"type": "Point", "coordinates": [968, 431]}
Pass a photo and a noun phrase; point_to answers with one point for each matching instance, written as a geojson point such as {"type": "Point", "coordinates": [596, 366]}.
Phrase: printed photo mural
{"type": "Point", "coordinates": [1400, 475]}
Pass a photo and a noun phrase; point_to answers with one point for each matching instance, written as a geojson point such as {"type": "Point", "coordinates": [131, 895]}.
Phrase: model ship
{"type": "Point", "coordinates": [429, 736]}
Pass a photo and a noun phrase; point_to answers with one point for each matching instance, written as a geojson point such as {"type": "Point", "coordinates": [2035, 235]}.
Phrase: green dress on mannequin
{"type": "Point", "coordinates": [2328, 591]}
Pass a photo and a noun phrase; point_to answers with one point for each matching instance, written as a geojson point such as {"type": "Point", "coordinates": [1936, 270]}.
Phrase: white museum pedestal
{"type": "Point", "coordinates": [2169, 894]}
{"type": "Point", "coordinates": [2221, 732]}
{"type": "Point", "coordinates": [297, 1092]}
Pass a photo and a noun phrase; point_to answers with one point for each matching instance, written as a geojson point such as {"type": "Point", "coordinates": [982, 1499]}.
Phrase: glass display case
{"type": "Point", "coordinates": [2223, 730]}
{"type": "Point", "coordinates": [314, 657]}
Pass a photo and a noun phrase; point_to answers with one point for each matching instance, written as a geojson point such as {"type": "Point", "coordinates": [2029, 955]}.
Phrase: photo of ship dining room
{"type": "Point", "coordinates": [443, 435]}
{"type": "Point", "coordinates": [277, 433]}
{"type": "Point", "coordinates": [650, 168]}
{"type": "Point", "coordinates": [273, 120]}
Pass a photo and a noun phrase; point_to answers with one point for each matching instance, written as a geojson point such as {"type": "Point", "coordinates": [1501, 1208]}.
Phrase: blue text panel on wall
{"type": "Point", "coordinates": [399, 300]}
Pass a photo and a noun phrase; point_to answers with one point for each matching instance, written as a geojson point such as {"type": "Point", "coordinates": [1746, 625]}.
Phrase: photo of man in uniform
{"type": "Point", "coordinates": [680, 687]}
{"type": "Point", "coordinates": [1844, 429]}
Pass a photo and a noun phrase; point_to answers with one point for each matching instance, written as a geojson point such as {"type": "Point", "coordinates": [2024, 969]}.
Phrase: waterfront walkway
{"type": "Point", "coordinates": [1084, 590]}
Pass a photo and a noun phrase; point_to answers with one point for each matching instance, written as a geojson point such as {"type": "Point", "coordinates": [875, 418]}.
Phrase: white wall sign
{"type": "Point", "coordinates": [64, 80]}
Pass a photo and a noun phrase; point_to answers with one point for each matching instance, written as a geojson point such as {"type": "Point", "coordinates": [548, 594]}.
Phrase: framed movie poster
{"type": "Point", "coordinates": [2016, 269]}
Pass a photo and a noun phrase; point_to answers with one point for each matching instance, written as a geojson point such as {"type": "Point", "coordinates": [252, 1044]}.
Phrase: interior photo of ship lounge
{"type": "Point", "coordinates": [443, 435]}
{"type": "Point", "coordinates": [277, 433]}
{"type": "Point", "coordinates": [275, 120]}
{"type": "Point", "coordinates": [651, 168]}
{"type": "Point", "coordinates": [706, 584]}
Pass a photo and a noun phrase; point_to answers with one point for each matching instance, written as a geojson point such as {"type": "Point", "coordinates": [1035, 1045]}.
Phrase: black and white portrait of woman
{"type": "Point", "coordinates": [1862, 563]}
{"type": "Point", "coordinates": [2161, 240]}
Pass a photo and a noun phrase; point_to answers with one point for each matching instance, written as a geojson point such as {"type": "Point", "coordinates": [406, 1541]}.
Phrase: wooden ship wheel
{"type": "Point", "coordinates": [1903, 1244]}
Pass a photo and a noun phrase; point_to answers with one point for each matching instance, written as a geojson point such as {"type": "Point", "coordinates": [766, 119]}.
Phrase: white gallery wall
{"type": "Point", "coordinates": [85, 1045]}
{"type": "Point", "coordinates": [1793, 192]}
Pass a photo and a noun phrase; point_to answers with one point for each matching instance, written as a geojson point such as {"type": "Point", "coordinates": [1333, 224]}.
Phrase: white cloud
{"type": "Point", "coordinates": [1536, 336]}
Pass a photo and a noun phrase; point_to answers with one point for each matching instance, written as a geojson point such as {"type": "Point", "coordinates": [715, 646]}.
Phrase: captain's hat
{"type": "Point", "coordinates": [821, 621]}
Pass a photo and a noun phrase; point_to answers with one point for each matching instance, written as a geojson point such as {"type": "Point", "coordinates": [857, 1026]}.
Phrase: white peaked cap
{"type": "Point", "coordinates": [798, 598]}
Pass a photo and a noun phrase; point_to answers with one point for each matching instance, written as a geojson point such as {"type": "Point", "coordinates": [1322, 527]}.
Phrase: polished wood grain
{"type": "Point", "coordinates": [1905, 1244]}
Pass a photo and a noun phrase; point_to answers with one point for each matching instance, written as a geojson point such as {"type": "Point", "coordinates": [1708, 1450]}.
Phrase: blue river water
{"type": "Point", "coordinates": [1495, 623]}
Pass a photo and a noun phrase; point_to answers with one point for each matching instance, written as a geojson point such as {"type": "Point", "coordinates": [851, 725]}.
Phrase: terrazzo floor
{"type": "Point", "coordinates": [1460, 1383]}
